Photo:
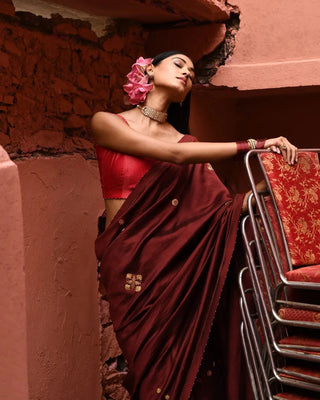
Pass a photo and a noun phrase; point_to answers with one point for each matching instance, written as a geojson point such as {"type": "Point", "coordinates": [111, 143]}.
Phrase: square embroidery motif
{"type": "Point", "coordinates": [133, 282]}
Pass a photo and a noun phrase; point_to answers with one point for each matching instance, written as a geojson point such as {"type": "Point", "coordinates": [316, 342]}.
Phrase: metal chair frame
{"type": "Point", "coordinates": [277, 295]}
{"type": "Point", "coordinates": [258, 376]}
{"type": "Point", "coordinates": [256, 351]}
{"type": "Point", "coordinates": [269, 325]}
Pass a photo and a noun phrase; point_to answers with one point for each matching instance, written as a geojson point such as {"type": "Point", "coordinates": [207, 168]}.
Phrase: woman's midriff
{"type": "Point", "coordinates": [112, 207]}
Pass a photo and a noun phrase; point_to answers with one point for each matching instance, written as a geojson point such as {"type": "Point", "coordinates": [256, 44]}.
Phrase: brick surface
{"type": "Point", "coordinates": [54, 74]}
{"type": "Point", "coordinates": [65, 29]}
{"type": "Point", "coordinates": [7, 8]}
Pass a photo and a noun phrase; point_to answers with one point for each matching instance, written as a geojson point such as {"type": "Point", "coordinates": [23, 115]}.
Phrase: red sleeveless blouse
{"type": "Point", "coordinates": [119, 172]}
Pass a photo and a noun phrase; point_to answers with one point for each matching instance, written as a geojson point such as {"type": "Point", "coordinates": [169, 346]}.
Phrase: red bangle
{"type": "Point", "coordinates": [242, 146]}
{"type": "Point", "coordinates": [260, 143]}
{"type": "Point", "coordinates": [250, 144]}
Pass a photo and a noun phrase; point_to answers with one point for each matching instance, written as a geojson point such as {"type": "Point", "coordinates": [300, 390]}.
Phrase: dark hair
{"type": "Point", "coordinates": [178, 115]}
{"type": "Point", "coordinates": [159, 57]}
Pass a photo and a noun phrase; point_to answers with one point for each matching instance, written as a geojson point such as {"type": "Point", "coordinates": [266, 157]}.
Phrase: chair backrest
{"type": "Point", "coordinates": [275, 229]}
{"type": "Point", "coordinates": [296, 190]}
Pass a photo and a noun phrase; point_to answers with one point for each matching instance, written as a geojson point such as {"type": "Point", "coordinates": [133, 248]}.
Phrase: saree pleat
{"type": "Point", "coordinates": [164, 261]}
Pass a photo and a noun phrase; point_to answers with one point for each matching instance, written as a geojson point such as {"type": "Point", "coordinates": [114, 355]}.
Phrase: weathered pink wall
{"type": "Point", "coordinates": [54, 73]}
{"type": "Point", "coordinates": [13, 349]}
{"type": "Point", "coordinates": [61, 200]}
{"type": "Point", "coordinates": [270, 86]}
{"type": "Point", "coordinates": [277, 46]}
{"type": "Point", "coordinates": [45, 105]}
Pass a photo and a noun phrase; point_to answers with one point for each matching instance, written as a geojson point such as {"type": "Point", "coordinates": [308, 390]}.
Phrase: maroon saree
{"type": "Point", "coordinates": [164, 261]}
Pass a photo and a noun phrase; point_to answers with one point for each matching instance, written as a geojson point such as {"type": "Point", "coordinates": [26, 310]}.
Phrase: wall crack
{"type": "Point", "coordinates": [208, 65]}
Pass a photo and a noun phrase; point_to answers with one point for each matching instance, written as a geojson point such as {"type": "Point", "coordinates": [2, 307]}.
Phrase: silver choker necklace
{"type": "Point", "coordinates": [153, 114]}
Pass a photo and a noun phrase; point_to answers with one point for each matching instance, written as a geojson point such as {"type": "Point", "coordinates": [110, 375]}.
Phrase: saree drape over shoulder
{"type": "Point", "coordinates": [164, 261]}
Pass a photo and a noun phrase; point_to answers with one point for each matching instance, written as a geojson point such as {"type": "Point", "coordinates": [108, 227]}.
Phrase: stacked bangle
{"type": "Point", "coordinates": [250, 144]}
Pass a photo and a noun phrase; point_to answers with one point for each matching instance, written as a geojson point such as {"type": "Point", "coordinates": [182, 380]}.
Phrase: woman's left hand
{"type": "Point", "coordinates": [282, 146]}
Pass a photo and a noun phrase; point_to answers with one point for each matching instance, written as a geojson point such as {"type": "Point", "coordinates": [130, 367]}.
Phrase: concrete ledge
{"type": "Point", "coordinates": [293, 73]}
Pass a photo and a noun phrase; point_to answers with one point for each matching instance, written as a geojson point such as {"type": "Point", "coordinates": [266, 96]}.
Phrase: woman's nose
{"type": "Point", "coordinates": [186, 72]}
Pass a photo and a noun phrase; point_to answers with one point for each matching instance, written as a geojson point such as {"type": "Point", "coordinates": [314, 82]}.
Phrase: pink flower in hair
{"type": "Point", "coordinates": [138, 86]}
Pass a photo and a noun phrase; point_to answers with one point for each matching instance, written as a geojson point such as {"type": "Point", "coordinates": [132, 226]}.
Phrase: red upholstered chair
{"type": "Point", "coordinates": [295, 193]}
{"type": "Point", "coordinates": [287, 221]}
{"type": "Point", "coordinates": [284, 340]}
{"type": "Point", "coordinates": [282, 243]}
{"type": "Point", "coordinates": [271, 377]}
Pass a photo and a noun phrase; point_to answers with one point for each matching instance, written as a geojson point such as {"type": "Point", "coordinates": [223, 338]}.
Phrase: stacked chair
{"type": "Point", "coordinates": [280, 287]}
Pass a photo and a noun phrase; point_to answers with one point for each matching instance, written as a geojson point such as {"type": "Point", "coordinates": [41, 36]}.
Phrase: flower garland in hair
{"type": "Point", "coordinates": [138, 86]}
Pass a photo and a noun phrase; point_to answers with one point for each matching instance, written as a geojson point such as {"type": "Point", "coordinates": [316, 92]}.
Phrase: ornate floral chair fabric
{"type": "Point", "coordinates": [289, 226]}
{"type": "Point", "coordinates": [296, 191]}
{"type": "Point", "coordinates": [282, 242]}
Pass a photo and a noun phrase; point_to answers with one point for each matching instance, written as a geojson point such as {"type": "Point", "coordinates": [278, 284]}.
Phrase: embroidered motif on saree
{"type": "Point", "coordinates": [133, 282]}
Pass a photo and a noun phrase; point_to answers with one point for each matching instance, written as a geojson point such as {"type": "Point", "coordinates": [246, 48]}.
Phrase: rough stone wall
{"type": "Point", "coordinates": [54, 73]}
{"type": "Point", "coordinates": [113, 364]}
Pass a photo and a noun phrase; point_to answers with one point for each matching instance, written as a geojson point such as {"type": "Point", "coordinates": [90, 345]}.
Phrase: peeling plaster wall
{"type": "Point", "coordinates": [277, 46]}
{"type": "Point", "coordinates": [269, 86]}
{"type": "Point", "coordinates": [54, 73]}
{"type": "Point", "coordinates": [46, 9]}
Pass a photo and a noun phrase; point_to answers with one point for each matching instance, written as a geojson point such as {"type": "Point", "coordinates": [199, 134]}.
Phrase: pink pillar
{"type": "Point", "coordinates": [61, 201]}
{"type": "Point", "coordinates": [13, 350]}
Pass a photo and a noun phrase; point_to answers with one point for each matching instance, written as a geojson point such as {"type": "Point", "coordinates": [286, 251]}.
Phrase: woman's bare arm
{"type": "Point", "coordinates": [111, 132]}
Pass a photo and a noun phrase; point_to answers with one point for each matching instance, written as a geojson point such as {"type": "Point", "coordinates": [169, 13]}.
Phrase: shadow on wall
{"type": "Point", "coordinates": [228, 115]}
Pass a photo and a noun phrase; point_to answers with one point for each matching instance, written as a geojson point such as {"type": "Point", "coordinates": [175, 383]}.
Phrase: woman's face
{"type": "Point", "coordinates": [175, 73]}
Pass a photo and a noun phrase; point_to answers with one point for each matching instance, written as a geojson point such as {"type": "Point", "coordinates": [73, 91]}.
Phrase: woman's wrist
{"type": "Point", "coordinates": [250, 144]}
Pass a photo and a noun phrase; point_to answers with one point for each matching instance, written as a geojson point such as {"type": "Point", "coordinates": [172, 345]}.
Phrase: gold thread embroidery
{"type": "Point", "coordinates": [133, 282]}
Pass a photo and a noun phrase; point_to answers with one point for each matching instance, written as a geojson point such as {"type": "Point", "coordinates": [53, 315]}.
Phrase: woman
{"type": "Point", "coordinates": [171, 232]}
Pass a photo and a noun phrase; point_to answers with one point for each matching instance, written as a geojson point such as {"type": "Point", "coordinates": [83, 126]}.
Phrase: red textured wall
{"type": "Point", "coordinates": [53, 75]}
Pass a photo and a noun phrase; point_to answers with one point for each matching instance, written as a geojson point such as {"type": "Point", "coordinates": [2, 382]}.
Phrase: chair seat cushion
{"type": "Point", "coordinates": [305, 274]}
{"type": "Point", "coordinates": [296, 314]}
{"type": "Point", "coordinates": [301, 343]}
{"type": "Point", "coordinates": [294, 396]}
{"type": "Point", "coordinates": [306, 374]}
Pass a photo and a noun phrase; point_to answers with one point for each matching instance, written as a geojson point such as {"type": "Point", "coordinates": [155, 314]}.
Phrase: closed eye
{"type": "Point", "coordinates": [180, 65]}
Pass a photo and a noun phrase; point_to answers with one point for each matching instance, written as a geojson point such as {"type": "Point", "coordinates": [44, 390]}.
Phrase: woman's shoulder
{"type": "Point", "coordinates": [107, 116]}
{"type": "Point", "coordinates": [104, 125]}
{"type": "Point", "coordinates": [103, 119]}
